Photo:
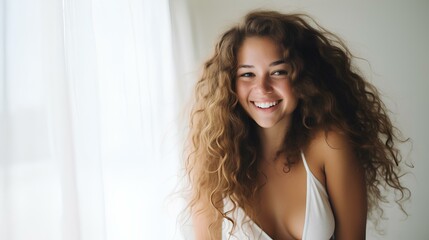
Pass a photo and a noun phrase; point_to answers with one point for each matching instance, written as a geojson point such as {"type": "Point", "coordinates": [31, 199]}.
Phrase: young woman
{"type": "Point", "coordinates": [288, 141]}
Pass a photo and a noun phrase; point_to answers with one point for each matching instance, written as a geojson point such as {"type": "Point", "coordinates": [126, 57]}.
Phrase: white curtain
{"type": "Point", "coordinates": [90, 120]}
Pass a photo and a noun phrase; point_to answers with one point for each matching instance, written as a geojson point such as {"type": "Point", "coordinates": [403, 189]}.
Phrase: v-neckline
{"type": "Point", "coordinates": [308, 175]}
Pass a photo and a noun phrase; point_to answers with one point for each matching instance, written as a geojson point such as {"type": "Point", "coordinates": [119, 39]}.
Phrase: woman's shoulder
{"type": "Point", "coordinates": [327, 145]}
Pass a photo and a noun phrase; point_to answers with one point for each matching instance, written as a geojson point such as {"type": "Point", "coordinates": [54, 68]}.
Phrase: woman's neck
{"type": "Point", "coordinates": [271, 140]}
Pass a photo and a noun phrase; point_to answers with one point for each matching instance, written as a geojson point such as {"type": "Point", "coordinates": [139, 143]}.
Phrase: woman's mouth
{"type": "Point", "coordinates": [266, 105]}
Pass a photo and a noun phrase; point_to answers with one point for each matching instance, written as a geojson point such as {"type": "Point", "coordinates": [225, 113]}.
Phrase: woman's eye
{"type": "Point", "coordinates": [248, 74]}
{"type": "Point", "coordinates": [280, 72]}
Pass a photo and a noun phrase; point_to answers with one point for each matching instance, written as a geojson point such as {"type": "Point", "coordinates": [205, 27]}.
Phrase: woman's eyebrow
{"type": "Point", "coordinates": [275, 63]}
{"type": "Point", "coordinates": [245, 66]}
{"type": "Point", "coordinates": [278, 62]}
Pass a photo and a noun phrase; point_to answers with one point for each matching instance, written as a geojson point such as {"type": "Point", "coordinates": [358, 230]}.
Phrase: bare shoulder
{"type": "Point", "coordinates": [326, 149]}
{"type": "Point", "coordinates": [330, 146]}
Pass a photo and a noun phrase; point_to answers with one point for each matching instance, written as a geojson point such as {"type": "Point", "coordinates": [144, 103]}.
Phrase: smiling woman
{"type": "Point", "coordinates": [287, 140]}
{"type": "Point", "coordinates": [263, 84]}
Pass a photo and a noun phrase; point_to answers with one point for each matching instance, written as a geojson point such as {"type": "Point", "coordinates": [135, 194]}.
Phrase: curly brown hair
{"type": "Point", "coordinates": [332, 94]}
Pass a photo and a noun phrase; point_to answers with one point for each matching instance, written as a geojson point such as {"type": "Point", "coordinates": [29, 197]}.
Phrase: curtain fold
{"type": "Point", "coordinates": [89, 129]}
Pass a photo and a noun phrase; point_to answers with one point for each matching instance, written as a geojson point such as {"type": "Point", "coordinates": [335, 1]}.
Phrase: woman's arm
{"type": "Point", "coordinates": [345, 182]}
{"type": "Point", "coordinates": [204, 217]}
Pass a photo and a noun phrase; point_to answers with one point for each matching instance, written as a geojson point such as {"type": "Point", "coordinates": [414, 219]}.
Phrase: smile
{"type": "Point", "coordinates": [265, 105]}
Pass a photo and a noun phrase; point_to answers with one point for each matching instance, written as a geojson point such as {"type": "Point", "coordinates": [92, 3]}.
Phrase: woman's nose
{"type": "Point", "coordinates": [264, 84]}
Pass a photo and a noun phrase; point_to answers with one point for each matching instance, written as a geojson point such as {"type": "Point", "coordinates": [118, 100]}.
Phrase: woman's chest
{"type": "Point", "coordinates": [280, 205]}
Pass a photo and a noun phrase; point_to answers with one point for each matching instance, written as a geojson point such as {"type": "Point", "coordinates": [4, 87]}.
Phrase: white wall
{"type": "Point", "coordinates": [393, 36]}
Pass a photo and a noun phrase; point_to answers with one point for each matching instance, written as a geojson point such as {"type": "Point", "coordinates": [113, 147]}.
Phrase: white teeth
{"type": "Point", "coordinates": [266, 104]}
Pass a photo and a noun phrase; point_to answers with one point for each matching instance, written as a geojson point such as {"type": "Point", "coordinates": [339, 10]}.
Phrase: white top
{"type": "Point", "coordinates": [319, 220]}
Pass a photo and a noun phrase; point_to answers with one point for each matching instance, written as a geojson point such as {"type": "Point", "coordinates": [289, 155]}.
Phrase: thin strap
{"type": "Point", "coordinates": [310, 173]}
{"type": "Point", "coordinates": [305, 162]}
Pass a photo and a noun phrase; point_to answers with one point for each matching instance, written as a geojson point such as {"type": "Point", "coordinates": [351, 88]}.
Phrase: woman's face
{"type": "Point", "coordinates": [263, 83]}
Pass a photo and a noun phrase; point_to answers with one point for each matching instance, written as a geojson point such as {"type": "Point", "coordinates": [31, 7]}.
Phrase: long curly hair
{"type": "Point", "coordinates": [223, 145]}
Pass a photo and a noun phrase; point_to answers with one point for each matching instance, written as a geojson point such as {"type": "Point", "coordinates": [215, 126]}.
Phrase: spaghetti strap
{"type": "Point", "coordinates": [305, 162]}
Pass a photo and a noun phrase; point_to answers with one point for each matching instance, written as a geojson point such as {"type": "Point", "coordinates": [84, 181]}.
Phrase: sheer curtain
{"type": "Point", "coordinates": [90, 113]}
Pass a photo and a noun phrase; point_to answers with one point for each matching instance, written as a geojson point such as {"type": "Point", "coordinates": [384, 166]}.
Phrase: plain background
{"type": "Point", "coordinates": [392, 36]}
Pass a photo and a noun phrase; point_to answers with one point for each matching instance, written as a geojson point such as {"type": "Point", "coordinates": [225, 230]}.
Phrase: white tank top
{"type": "Point", "coordinates": [319, 220]}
